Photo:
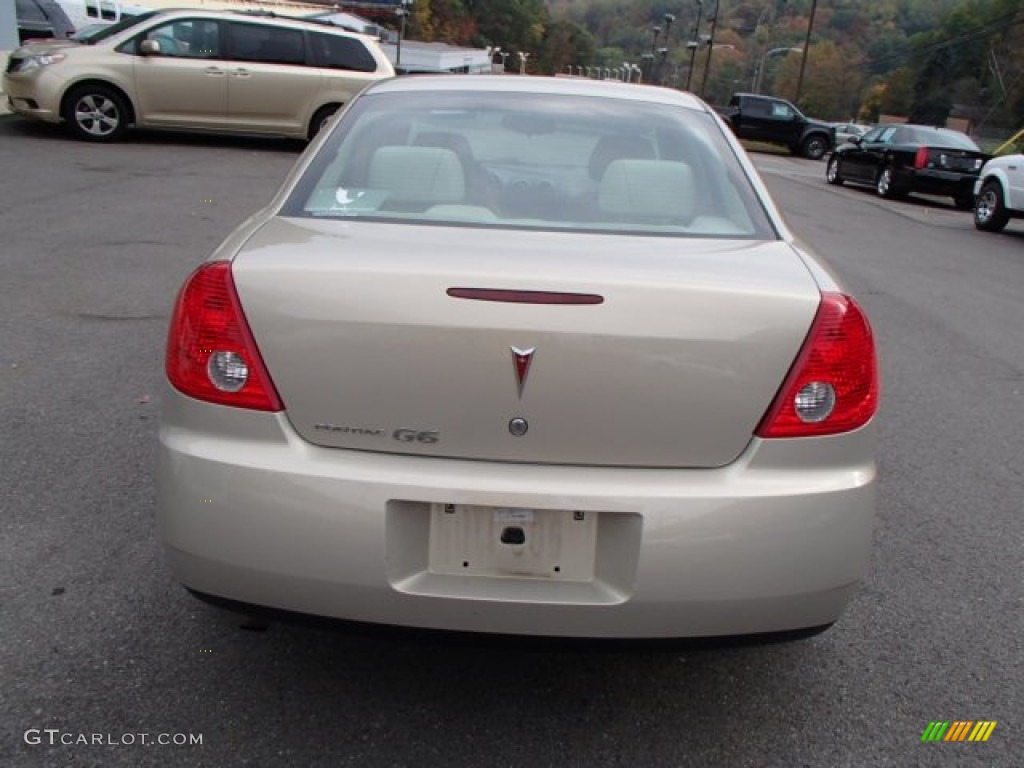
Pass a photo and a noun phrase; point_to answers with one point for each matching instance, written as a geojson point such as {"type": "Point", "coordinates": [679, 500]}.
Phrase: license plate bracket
{"type": "Point", "coordinates": [512, 542]}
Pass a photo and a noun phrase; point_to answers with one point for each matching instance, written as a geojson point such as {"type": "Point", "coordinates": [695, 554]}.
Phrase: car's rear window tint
{"type": "Point", "coordinates": [937, 138]}
{"type": "Point", "coordinates": [532, 161]}
{"type": "Point", "coordinates": [337, 52]}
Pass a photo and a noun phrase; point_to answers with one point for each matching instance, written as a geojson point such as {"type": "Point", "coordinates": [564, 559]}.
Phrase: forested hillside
{"type": "Point", "coordinates": [922, 58]}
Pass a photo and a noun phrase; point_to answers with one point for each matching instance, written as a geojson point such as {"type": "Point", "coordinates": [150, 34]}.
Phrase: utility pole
{"type": "Point", "coordinates": [807, 50]}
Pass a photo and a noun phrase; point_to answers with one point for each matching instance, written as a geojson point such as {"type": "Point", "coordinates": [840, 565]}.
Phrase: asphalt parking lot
{"type": "Point", "coordinates": [98, 639]}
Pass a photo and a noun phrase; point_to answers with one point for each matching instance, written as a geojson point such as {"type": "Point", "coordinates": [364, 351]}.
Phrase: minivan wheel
{"type": "Point", "coordinates": [96, 113]}
{"type": "Point", "coordinates": [321, 118]}
{"type": "Point", "coordinates": [989, 209]}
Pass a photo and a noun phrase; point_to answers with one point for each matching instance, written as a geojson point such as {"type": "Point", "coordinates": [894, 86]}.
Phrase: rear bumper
{"type": "Point", "coordinates": [932, 182]}
{"type": "Point", "coordinates": [779, 540]}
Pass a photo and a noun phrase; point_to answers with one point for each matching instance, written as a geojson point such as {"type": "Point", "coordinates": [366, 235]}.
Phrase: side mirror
{"type": "Point", "coordinates": [858, 140]}
{"type": "Point", "coordinates": [149, 48]}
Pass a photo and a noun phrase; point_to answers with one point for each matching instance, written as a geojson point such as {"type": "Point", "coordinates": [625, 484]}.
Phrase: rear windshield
{"type": "Point", "coordinates": [935, 138]}
{"type": "Point", "coordinates": [531, 161]}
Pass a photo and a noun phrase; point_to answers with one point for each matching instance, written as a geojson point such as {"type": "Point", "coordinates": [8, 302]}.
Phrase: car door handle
{"type": "Point", "coordinates": [241, 72]}
{"type": "Point", "coordinates": [214, 71]}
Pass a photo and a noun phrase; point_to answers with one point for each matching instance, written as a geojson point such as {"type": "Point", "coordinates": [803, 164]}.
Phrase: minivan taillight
{"type": "Point", "coordinates": [211, 354]}
{"type": "Point", "coordinates": [921, 158]}
{"type": "Point", "coordinates": [833, 384]}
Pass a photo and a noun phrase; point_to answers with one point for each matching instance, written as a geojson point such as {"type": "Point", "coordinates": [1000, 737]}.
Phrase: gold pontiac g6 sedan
{"type": "Point", "coordinates": [194, 69]}
{"type": "Point", "coordinates": [521, 355]}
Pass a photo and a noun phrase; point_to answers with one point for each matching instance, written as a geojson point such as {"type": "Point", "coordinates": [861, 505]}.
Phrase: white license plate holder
{"type": "Point", "coordinates": [512, 542]}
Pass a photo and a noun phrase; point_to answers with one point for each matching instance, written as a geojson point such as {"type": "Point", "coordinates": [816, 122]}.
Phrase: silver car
{"type": "Point", "coordinates": [846, 132]}
{"type": "Point", "coordinates": [521, 355]}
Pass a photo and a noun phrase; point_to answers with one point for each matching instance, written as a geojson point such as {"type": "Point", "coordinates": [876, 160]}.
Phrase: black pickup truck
{"type": "Point", "coordinates": [776, 121]}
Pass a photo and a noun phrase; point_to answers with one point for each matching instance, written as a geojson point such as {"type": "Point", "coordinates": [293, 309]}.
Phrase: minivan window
{"type": "Point", "coordinates": [126, 22]}
{"type": "Point", "coordinates": [188, 38]}
{"type": "Point", "coordinates": [270, 45]}
{"type": "Point", "coordinates": [337, 52]}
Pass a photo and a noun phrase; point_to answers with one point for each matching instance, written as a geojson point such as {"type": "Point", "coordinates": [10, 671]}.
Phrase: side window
{"type": "Point", "coordinates": [886, 136]}
{"type": "Point", "coordinates": [337, 52]}
{"type": "Point", "coordinates": [270, 45]}
{"type": "Point", "coordinates": [756, 108]}
{"type": "Point", "coordinates": [188, 38]}
{"type": "Point", "coordinates": [781, 111]}
{"type": "Point", "coordinates": [92, 9]}
{"type": "Point", "coordinates": [872, 135]}
{"type": "Point", "coordinates": [108, 11]}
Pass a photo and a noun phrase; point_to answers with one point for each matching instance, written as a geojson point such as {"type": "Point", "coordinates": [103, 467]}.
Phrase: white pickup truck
{"type": "Point", "coordinates": [999, 193]}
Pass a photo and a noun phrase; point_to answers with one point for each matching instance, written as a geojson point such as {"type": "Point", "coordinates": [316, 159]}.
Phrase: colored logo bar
{"type": "Point", "coordinates": [958, 730]}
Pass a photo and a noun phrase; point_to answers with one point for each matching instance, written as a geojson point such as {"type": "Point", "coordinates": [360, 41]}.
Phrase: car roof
{"type": "Point", "coordinates": [565, 86]}
{"type": "Point", "coordinates": [257, 15]}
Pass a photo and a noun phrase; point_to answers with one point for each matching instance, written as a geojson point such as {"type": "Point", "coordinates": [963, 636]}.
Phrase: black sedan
{"type": "Point", "coordinates": [899, 159]}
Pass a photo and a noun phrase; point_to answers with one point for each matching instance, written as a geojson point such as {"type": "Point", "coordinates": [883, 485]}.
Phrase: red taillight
{"type": "Point", "coordinates": [833, 385]}
{"type": "Point", "coordinates": [211, 354]}
{"type": "Point", "coordinates": [921, 158]}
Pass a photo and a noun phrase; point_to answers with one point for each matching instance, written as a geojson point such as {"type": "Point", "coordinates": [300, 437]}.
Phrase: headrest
{"type": "Point", "coordinates": [617, 147]}
{"type": "Point", "coordinates": [647, 190]}
{"type": "Point", "coordinates": [418, 174]}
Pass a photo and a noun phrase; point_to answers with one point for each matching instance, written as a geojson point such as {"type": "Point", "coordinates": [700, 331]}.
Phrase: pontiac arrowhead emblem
{"type": "Point", "coordinates": [522, 358]}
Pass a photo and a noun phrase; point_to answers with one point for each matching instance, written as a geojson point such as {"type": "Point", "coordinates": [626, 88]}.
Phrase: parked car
{"type": "Point", "coordinates": [42, 20]}
{"type": "Point", "coordinates": [848, 131]}
{"type": "Point", "coordinates": [193, 69]}
{"type": "Point", "coordinates": [521, 355]}
{"type": "Point", "coordinates": [999, 193]}
{"type": "Point", "coordinates": [899, 159]}
{"type": "Point", "coordinates": [776, 121]}
{"type": "Point", "coordinates": [85, 12]}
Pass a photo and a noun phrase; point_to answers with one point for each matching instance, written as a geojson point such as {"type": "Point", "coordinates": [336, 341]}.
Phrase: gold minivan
{"type": "Point", "coordinates": [199, 70]}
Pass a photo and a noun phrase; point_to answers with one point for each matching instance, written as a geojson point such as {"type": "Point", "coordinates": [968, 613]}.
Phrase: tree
{"type": "Point", "coordinates": [564, 44]}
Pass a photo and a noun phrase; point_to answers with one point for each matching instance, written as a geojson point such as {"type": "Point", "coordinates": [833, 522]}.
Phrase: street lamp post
{"type": "Point", "coordinates": [668, 19]}
{"type": "Point", "coordinates": [491, 53]}
{"type": "Point", "coordinates": [522, 62]}
{"type": "Point", "coordinates": [648, 59]}
{"type": "Point", "coordinates": [694, 44]}
{"type": "Point", "coordinates": [402, 11]}
{"type": "Point", "coordinates": [759, 74]}
{"type": "Point", "coordinates": [711, 47]}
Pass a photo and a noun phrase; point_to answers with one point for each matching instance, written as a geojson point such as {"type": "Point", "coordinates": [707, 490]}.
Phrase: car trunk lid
{"type": "Point", "coordinates": [371, 349]}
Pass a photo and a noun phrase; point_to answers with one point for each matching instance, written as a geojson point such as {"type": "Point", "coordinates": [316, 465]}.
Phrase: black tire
{"type": "Point", "coordinates": [320, 118]}
{"type": "Point", "coordinates": [832, 171]}
{"type": "Point", "coordinates": [814, 147]}
{"type": "Point", "coordinates": [97, 113]}
{"type": "Point", "coordinates": [885, 184]}
{"type": "Point", "coordinates": [990, 213]}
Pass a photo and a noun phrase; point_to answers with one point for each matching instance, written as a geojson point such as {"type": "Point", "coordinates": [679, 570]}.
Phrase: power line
{"type": "Point", "coordinates": [995, 25]}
